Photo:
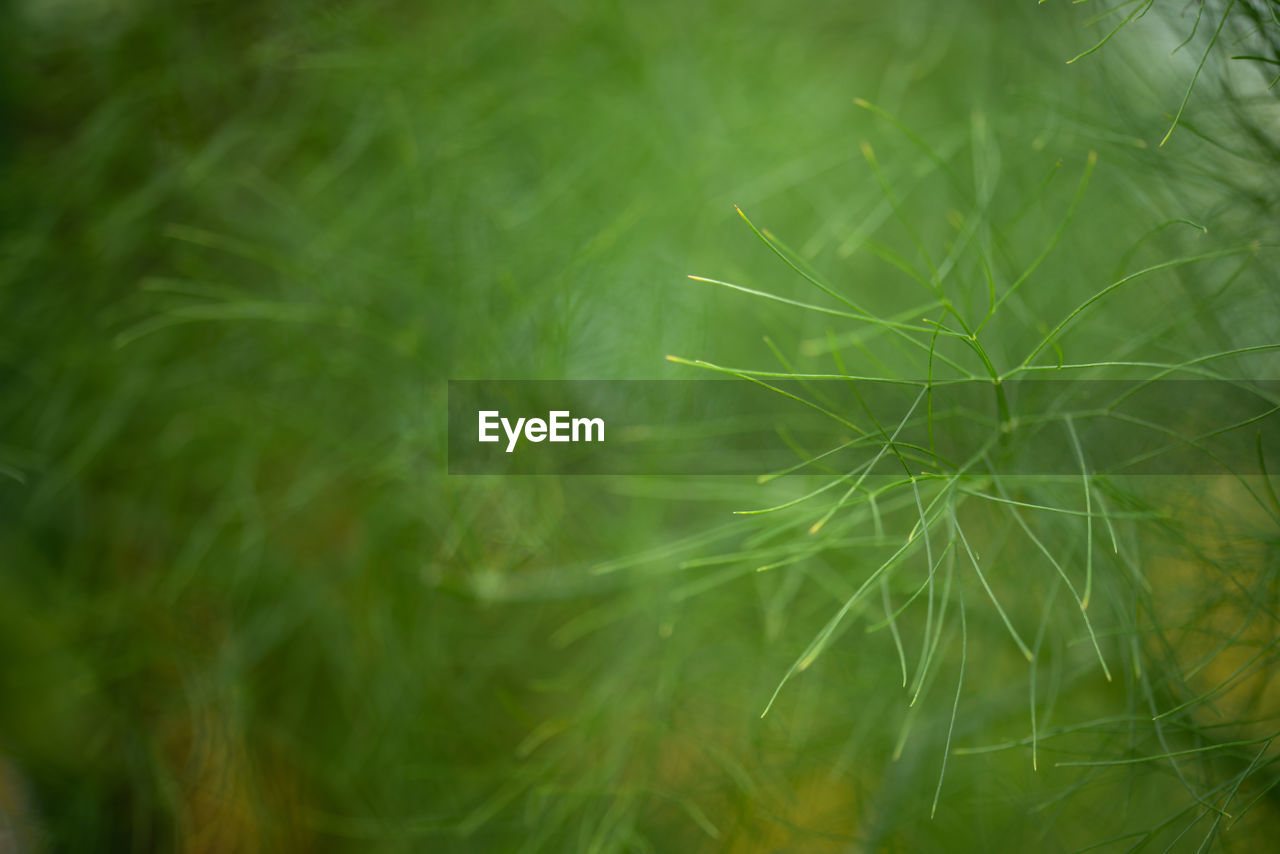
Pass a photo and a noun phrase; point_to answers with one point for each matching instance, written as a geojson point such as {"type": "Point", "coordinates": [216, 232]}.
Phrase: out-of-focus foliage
{"type": "Point", "coordinates": [242, 606]}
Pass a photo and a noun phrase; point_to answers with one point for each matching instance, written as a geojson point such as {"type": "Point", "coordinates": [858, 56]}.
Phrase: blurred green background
{"type": "Point", "coordinates": [242, 607]}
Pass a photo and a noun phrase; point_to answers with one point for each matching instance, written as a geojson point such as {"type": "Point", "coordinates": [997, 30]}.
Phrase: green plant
{"type": "Point", "coordinates": [243, 607]}
{"type": "Point", "coordinates": [1041, 550]}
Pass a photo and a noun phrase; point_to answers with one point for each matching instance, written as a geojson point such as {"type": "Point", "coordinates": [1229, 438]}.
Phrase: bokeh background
{"type": "Point", "coordinates": [242, 606]}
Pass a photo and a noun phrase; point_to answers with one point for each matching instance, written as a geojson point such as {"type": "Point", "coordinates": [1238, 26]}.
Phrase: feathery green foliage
{"type": "Point", "coordinates": [244, 608]}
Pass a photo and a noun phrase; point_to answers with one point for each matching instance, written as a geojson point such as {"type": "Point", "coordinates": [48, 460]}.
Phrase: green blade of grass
{"type": "Point", "coordinates": [1196, 76]}
{"type": "Point", "coordinates": [955, 705]}
{"type": "Point", "coordinates": [973, 559]}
